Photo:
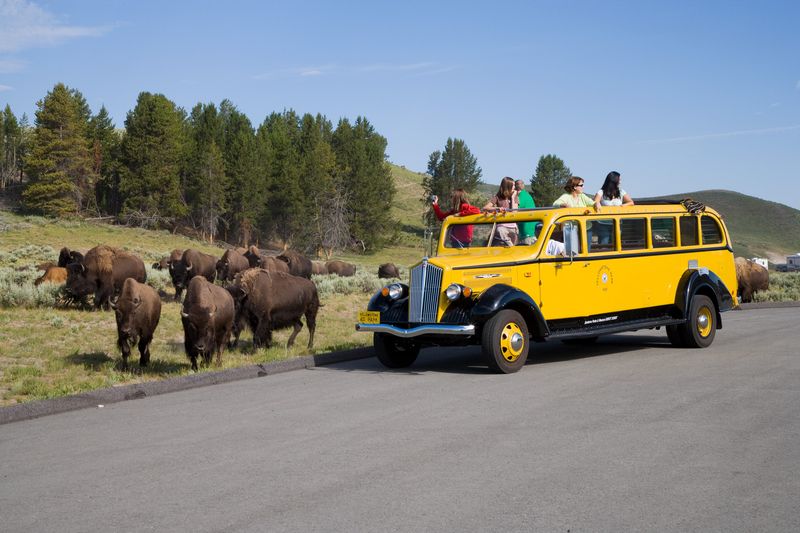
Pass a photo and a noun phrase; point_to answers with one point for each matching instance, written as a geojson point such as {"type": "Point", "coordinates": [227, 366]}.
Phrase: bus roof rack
{"type": "Point", "coordinates": [692, 206]}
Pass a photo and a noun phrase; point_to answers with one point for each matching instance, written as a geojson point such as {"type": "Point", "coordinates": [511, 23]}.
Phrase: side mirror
{"type": "Point", "coordinates": [572, 241]}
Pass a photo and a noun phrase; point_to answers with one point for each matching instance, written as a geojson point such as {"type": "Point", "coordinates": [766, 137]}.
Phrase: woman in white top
{"type": "Point", "coordinates": [610, 194]}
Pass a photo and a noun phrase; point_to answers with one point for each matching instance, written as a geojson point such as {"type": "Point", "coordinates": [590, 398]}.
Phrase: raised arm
{"type": "Point", "coordinates": [627, 200]}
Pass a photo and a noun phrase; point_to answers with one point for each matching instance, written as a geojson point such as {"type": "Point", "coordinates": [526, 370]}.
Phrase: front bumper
{"type": "Point", "coordinates": [425, 329]}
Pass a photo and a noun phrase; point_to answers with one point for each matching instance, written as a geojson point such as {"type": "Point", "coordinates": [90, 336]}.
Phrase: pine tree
{"type": "Point", "coordinates": [454, 168]}
{"type": "Point", "coordinates": [105, 151]}
{"type": "Point", "coordinates": [210, 199]}
{"type": "Point", "coordinates": [548, 181]}
{"type": "Point", "coordinates": [317, 180]}
{"type": "Point", "coordinates": [11, 141]}
{"type": "Point", "coordinates": [59, 164]}
{"type": "Point", "coordinates": [152, 155]}
{"type": "Point", "coordinates": [365, 180]}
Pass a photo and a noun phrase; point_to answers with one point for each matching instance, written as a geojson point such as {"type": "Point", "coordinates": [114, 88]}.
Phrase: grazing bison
{"type": "Point", "coordinates": [253, 255]}
{"type": "Point", "coordinates": [340, 268]}
{"type": "Point", "coordinates": [137, 311]}
{"type": "Point", "coordinates": [232, 263]}
{"type": "Point", "coordinates": [192, 263]}
{"type": "Point", "coordinates": [388, 270]}
{"type": "Point", "coordinates": [207, 316]}
{"type": "Point", "coordinates": [67, 257]}
{"type": "Point", "coordinates": [299, 265]}
{"type": "Point", "coordinates": [751, 277]}
{"type": "Point", "coordinates": [53, 274]}
{"type": "Point", "coordinates": [165, 262]}
{"type": "Point", "coordinates": [318, 268]}
{"type": "Point", "coordinates": [276, 300]}
{"type": "Point", "coordinates": [273, 264]}
{"type": "Point", "coordinates": [102, 273]}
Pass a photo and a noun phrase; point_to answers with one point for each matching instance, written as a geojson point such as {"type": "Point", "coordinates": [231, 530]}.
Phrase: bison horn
{"type": "Point", "coordinates": [189, 266]}
{"type": "Point", "coordinates": [184, 314]}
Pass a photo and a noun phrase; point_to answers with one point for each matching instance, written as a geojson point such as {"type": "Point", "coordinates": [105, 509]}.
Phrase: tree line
{"type": "Point", "coordinates": [455, 167]}
{"type": "Point", "coordinates": [295, 179]}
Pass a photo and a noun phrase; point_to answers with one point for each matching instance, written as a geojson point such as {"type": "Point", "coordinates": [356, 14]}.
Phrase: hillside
{"type": "Point", "coordinates": [759, 228]}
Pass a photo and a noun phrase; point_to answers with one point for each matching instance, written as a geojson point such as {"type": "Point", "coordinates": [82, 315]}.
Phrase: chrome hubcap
{"type": "Point", "coordinates": [516, 342]}
{"type": "Point", "coordinates": [702, 321]}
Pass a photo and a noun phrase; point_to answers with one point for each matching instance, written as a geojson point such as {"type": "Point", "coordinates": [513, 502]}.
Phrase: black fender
{"type": "Point", "coordinates": [391, 310]}
{"type": "Point", "coordinates": [702, 281]}
{"type": "Point", "coordinates": [501, 296]}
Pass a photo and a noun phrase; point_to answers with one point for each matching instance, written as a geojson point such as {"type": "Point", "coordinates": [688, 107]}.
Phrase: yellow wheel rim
{"type": "Point", "coordinates": [705, 321]}
{"type": "Point", "coordinates": [512, 342]}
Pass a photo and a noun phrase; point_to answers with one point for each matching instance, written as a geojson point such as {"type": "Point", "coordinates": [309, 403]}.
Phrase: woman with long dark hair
{"type": "Point", "coordinates": [610, 194]}
{"type": "Point", "coordinates": [506, 199]}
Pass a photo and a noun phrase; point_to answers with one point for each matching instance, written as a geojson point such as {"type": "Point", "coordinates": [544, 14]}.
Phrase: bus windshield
{"type": "Point", "coordinates": [494, 233]}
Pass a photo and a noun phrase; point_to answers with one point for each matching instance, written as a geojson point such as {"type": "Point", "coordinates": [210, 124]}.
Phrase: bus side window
{"type": "Point", "coordinates": [662, 232]}
{"type": "Point", "coordinates": [689, 230]}
{"type": "Point", "coordinates": [602, 238]}
{"type": "Point", "coordinates": [633, 233]}
{"type": "Point", "coordinates": [712, 234]}
{"type": "Point", "coordinates": [572, 238]}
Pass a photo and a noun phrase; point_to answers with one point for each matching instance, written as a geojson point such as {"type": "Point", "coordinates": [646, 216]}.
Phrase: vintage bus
{"type": "Point", "coordinates": [587, 273]}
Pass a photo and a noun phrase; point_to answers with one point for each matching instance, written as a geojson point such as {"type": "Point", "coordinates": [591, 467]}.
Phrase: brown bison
{"type": "Point", "coordinates": [67, 256]}
{"type": "Point", "coordinates": [192, 263]}
{"type": "Point", "coordinates": [273, 264]}
{"type": "Point", "coordinates": [751, 277]}
{"type": "Point", "coordinates": [207, 316]}
{"type": "Point", "coordinates": [53, 274]}
{"type": "Point", "coordinates": [231, 263]}
{"type": "Point", "coordinates": [166, 261]}
{"type": "Point", "coordinates": [137, 310]}
{"type": "Point", "coordinates": [340, 268]}
{"type": "Point", "coordinates": [318, 268]}
{"type": "Point", "coordinates": [299, 265]}
{"type": "Point", "coordinates": [102, 272]}
{"type": "Point", "coordinates": [388, 270]}
{"type": "Point", "coordinates": [275, 300]}
{"type": "Point", "coordinates": [253, 255]}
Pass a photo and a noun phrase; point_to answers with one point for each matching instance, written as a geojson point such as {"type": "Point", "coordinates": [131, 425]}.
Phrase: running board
{"type": "Point", "coordinates": [629, 325]}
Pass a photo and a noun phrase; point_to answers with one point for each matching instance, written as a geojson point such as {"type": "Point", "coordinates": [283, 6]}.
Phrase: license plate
{"type": "Point", "coordinates": [369, 317]}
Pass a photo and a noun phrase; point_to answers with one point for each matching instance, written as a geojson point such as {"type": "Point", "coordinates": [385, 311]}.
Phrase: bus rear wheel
{"type": "Point", "coordinates": [701, 324]}
{"type": "Point", "coordinates": [505, 341]}
{"type": "Point", "coordinates": [394, 352]}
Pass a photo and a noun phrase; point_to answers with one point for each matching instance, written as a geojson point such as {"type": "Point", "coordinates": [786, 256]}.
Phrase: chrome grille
{"type": "Point", "coordinates": [426, 285]}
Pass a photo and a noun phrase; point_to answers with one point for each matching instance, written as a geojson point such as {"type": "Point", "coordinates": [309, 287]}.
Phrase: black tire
{"type": "Point", "coordinates": [675, 336]}
{"type": "Point", "coordinates": [394, 352]}
{"type": "Point", "coordinates": [701, 324]}
{"type": "Point", "coordinates": [505, 341]}
{"type": "Point", "coordinates": [580, 341]}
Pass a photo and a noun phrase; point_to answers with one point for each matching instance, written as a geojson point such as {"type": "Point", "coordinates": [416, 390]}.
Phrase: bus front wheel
{"type": "Point", "coordinates": [505, 341]}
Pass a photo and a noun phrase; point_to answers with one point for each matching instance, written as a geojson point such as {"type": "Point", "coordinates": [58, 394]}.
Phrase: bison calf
{"type": "Point", "coordinates": [53, 274]}
{"type": "Point", "coordinates": [137, 309]}
{"type": "Point", "coordinates": [207, 316]}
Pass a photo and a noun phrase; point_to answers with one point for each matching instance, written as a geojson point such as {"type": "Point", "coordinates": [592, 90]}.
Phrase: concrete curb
{"type": "Point", "coordinates": [768, 305]}
{"type": "Point", "coordinates": [36, 409]}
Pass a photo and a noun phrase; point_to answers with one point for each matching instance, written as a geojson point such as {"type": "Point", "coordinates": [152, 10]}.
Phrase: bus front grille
{"type": "Point", "coordinates": [426, 285]}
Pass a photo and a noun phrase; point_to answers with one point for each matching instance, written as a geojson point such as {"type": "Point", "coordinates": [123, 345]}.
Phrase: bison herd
{"type": "Point", "coordinates": [256, 290]}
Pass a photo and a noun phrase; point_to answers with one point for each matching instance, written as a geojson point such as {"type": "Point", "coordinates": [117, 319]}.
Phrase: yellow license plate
{"type": "Point", "coordinates": [369, 317]}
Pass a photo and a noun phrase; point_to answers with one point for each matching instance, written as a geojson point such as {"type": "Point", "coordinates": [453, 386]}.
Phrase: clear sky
{"type": "Point", "coordinates": [677, 96]}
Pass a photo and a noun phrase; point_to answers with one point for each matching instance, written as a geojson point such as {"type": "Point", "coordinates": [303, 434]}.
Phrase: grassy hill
{"type": "Point", "coordinates": [759, 228]}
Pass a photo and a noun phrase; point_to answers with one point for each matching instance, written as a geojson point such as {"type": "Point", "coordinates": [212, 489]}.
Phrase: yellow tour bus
{"type": "Point", "coordinates": [504, 280]}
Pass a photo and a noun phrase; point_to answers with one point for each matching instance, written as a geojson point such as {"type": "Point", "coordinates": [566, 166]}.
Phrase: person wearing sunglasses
{"type": "Point", "coordinates": [574, 197]}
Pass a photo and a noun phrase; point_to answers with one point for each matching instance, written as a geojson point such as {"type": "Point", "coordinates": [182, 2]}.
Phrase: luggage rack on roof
{"type": "Point", "coordinates": [692, 206]}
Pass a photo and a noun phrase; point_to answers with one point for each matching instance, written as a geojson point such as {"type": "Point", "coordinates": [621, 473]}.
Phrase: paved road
{"type": "Point", "coordinates": [626, 435]}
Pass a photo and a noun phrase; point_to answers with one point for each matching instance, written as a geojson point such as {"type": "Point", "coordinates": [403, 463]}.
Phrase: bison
{"type": "Point", "coordinates": [231, 263]}
{"type": "Point", "coordinates": [340, 268]}
{"type": "Point", "coordinates": [273, 264]}
{"type": "Point", "coordinates": [53, 274]}
{"type": "Point", "coordinates": [192, 263]}
{"type": "Point", "coordinates": [388, 270]}
{"type": "Point", "coordinates": [299, 265]}
{"type": "Point", "coordinates": [275, 300]}
{"type": "Point", "coordinates": [318, 268]}
{"type": "Point", "coordinates": [137, 310]}
{"type": "Point", "coordinates": [102, 272]}
{"type": "Point", "coordinates": [166, 261]}
{"type": "Point", "coordinates": [67, 257]}
{"type": "Point", "coordinates": [750, 277]}
{"type": "Point", "coordinates": [207, 316]}
{"type": "Point", "coordinates": [253, 255]}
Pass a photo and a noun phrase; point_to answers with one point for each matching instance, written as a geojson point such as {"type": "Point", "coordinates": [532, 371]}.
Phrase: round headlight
{"type": "Point", "coordinates": [395, 291]}
{"type": "Point", "coordinates": [453, 292]}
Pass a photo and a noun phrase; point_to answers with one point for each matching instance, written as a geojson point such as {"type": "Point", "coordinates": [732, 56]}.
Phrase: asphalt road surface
{"type": "Point", "coordinates": [627, 435]}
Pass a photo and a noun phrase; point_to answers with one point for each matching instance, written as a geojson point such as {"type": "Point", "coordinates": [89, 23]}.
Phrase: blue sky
{"type": "Point", "coordinates": [677, 96]}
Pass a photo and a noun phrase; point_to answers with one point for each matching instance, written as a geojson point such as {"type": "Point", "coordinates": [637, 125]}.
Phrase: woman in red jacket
{"type": "Point", "coordinates": [460, 235]}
